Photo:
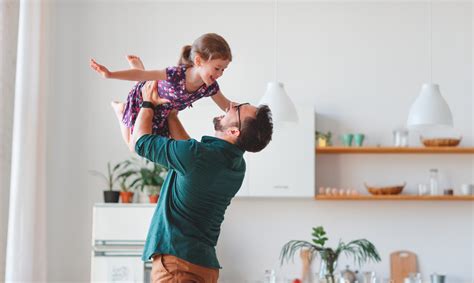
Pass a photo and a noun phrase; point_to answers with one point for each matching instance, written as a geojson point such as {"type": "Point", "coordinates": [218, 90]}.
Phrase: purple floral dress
{"type": "Point", "coordinates": [173, 89]}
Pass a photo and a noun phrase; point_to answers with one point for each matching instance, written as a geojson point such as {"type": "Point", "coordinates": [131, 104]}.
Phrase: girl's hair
{"type": "Point", "coordinates": [209, 46]}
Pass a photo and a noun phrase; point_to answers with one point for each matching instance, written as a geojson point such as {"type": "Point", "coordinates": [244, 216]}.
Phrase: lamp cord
{"type": "Point", "coordinates": [275, 34]}
{"type": "Point", "coordinates": [431, 41]}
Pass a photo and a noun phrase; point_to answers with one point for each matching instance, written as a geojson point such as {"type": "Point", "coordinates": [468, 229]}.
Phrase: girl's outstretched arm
{"type": "Point", "coordinates": [129, 75]}
{"type": "Point", "coordinates": [221, 100]}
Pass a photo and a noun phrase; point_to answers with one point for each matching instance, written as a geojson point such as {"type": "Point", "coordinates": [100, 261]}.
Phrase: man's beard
{"type": "Point", "coordinates": [217, 124]}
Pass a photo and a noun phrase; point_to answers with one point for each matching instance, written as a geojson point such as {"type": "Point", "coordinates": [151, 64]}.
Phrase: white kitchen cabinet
{"type": "Point", "coordinates": [118, 236]}
{"type": "Point", "coordinates": [121, 221]}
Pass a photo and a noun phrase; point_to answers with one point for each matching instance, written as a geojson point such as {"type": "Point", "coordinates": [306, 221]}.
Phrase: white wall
{"type": "Point", "coordinates": [360, 63]}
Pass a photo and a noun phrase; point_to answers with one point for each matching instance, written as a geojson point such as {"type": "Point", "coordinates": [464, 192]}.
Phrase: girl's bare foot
{"type": "Point", "coordinates": [135, 62]}
{"type": "Point", "coordinates": [118, 109]}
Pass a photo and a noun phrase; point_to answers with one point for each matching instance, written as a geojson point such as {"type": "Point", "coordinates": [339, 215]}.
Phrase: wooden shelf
{"type": "Point", "coordinates": [396, 197]}
{"type": "Point", "coordinates": [394, 150]}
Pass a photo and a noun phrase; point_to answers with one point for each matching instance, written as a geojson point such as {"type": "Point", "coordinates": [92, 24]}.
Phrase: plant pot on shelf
{"type": "Point", "coordinates": [127, 197]}
{"type": "Point", "coordinates": [111, 196]}
{"type": "Point", "coordinates": [154, 198]}
{"type": "Point", "coordinates": [153, 192]}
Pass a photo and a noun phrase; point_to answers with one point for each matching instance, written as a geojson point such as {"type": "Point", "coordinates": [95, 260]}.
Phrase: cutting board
{"type": "Point", "coordinates": [402, 263]}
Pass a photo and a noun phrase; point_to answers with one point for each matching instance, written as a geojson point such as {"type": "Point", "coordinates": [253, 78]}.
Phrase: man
{"type": "Point", "coordinates": [203, 178]}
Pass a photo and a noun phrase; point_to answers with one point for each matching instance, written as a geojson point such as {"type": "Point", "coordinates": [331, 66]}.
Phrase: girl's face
{"type": "Point", "coordinates": [211, 70]}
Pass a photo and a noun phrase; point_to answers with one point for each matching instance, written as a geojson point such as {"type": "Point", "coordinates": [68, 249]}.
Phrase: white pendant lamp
{"type": "Point", "coordinates": [429, 109]}
{"type": "Point", "coordinates": [283, 109]}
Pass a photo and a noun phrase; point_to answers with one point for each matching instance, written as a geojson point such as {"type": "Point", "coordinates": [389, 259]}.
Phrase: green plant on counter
{"type": "Point", "coordinates": [154, 190]}
{"type": "Point", "coordinates": [145, 174]}
{"type": "Point", "coordinates": [112, 175]}
{"type": "Point", "coordinates": [324, 136]}
{"type": "Point", "coordinates": [361, 250]}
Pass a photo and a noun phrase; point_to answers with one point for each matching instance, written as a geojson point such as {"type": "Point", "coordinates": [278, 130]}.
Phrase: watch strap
{"type": "Point", "coordinates": [147, 104]}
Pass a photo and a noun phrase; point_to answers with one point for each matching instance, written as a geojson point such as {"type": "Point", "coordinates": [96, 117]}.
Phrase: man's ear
{"type": "Point", "coordinates": [233, 132]}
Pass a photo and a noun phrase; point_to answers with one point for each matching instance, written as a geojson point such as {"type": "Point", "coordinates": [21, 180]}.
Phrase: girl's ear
{"type": "Point", "coordinates": [197, 60]}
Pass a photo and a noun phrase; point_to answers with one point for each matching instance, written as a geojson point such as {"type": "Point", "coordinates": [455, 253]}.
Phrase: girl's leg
{"type": "Point", "coordinates": [135, 63]}
{"type": "Point", "coordinates": [118, 109]}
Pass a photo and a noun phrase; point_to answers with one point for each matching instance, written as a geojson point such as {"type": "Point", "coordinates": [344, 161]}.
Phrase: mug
{"type": "Point", "coordinates": [466, 189]}
{"type": "Point", "coordinates": [359, 139]}
{"type": "Point", "coordinates": [347, 139]}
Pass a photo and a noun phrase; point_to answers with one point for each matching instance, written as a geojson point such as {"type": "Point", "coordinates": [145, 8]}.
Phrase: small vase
{"type": "Point", "coordinates": [326, 273]}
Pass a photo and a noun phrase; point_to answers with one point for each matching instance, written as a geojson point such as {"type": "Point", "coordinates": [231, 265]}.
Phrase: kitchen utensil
{"type": "Point", "coordinates": [386, 190]}
{"type": "Point", "coordinates": [402, 263]}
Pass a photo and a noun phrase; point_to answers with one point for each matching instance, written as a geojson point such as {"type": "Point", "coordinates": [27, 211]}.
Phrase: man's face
{"type": "Point", "coordinates": [231, 118]}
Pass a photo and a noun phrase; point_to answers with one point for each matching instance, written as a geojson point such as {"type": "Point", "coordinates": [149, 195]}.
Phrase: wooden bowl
{"type": "Point", "coordinates": [388, 190]}
{"type": "Point", "coordinates": [440, 142]}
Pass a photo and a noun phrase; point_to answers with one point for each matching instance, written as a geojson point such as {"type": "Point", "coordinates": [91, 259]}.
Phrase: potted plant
{"type": "Point", "coordinates": [110, 178]}
{"type": "Point", "coordinates": [126, 191]}
{"type": "Point", "coordinates": [323, 139]}
{"type": "Point", "coordinates": [361, 250]}
{"type": "Point", "coordinates": [154, 193]}
{"type": "Point", "coordinates": [149, 176]}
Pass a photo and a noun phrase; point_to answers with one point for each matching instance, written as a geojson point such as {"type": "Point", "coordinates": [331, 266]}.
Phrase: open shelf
{"type": "Point", "coordinates": [393, 150]}
{"type": "Point", "coordinates": [396, 197]}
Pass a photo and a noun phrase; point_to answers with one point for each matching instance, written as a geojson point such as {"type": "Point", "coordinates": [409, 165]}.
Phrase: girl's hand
{"type": "Point", "coordinates": [100, 69]}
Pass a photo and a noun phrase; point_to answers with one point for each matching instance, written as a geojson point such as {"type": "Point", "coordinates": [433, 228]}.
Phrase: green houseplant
{"type": "Point", "coordinates": [146, 175]}
{"type": "Point", "coordinates": [361, 250]}
{"type": "Point", "coordinates": [110, 178]}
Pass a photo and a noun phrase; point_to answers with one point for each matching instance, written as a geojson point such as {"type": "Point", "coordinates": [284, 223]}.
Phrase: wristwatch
{"type": "Point", "coordinates": [147, 104]}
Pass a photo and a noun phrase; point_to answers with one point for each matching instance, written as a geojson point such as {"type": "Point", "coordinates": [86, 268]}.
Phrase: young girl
{"type": "Point", "coordinates": [195, 77]}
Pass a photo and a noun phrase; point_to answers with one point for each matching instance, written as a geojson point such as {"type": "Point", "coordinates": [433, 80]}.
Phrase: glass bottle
{"type": "Point", "coordinates": [269, 276]}
{"type": "Point", "coordinates": [434, 184]}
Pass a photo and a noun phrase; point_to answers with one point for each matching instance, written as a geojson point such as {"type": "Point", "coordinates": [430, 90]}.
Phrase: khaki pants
{"type": "Point", "coordinates": [171, 269]}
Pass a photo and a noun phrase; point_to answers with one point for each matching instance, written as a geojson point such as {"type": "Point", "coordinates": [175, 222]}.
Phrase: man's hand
{"type": "Point", "coordinates": [150, 93]}
{"type": "Point", "coordinates": [100, 69]}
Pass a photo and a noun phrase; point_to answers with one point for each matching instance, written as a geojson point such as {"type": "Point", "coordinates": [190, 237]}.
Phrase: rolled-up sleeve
{"type": "Point", "coordinates": [178, 155]}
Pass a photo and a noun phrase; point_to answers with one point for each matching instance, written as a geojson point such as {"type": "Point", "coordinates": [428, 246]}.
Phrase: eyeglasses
{"type": "Point", "coordinates": [237, 107]}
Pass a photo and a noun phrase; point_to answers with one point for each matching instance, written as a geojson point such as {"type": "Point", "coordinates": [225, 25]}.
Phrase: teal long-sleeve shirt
{"type": "Point", "coordinates": [203, 177]}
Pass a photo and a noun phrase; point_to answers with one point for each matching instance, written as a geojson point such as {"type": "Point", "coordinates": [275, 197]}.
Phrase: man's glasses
{"type": "Point", "coordinates": [237, 107]}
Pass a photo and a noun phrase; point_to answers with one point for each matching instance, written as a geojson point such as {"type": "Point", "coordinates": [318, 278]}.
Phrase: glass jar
{"type": "Point", "coordinates": [400, 138]}
{"type": "Point", "coordinates": [434, 183]}
{"type": "Point", "coordinates": [269, 276]}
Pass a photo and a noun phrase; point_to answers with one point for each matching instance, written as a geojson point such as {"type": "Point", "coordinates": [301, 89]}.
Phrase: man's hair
{"type": "Point", "coordinates": [256, 132]}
